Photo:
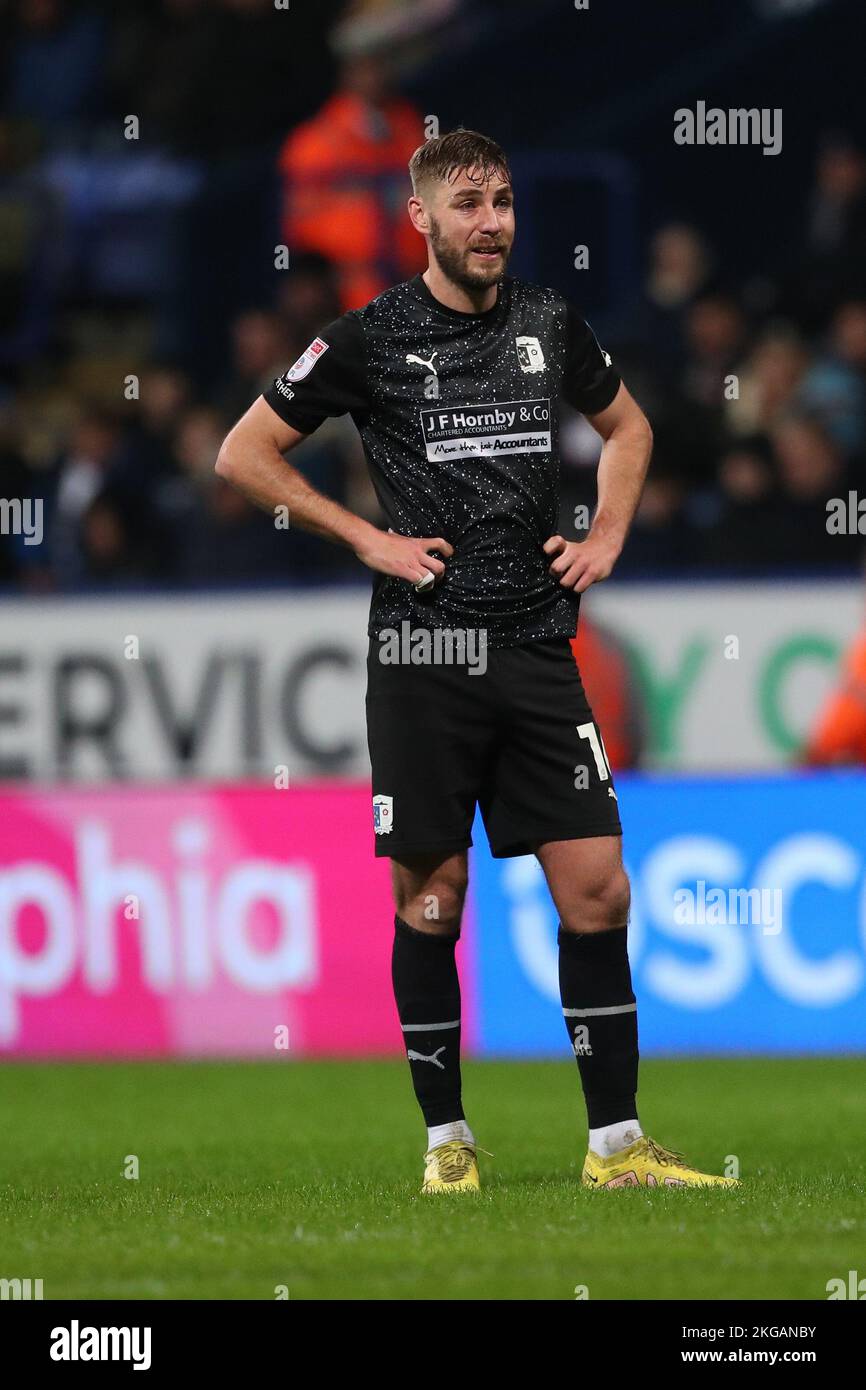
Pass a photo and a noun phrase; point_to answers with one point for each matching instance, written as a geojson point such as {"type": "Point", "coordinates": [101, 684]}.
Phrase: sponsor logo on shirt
{"type": "Point", "coordinates": [487, 430]}
{"type": "Point", "coordinates": [283, 389]}
{"type": "Point", "coordinates": [307, 361]}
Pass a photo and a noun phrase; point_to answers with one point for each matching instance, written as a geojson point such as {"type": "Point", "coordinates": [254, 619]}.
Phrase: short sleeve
{"type": "Point", "coordinates": [329, 378]}
{"type": "Point", "coordinates": [589, 381]}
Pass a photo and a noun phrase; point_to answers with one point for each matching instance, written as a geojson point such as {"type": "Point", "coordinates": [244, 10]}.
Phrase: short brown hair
{"type": "Point", "coordinates": [444, 156]}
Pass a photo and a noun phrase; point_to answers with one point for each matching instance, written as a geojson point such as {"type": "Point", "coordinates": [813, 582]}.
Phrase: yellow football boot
{"type": "Point", "coordinates": [646, 1164]}
{"type": "Point", "coordinates": [451, 1167]}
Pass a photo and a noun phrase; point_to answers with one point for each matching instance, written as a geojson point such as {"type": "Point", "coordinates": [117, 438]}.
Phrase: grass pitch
{"type": "Point", "coordinates": [306, 1175]}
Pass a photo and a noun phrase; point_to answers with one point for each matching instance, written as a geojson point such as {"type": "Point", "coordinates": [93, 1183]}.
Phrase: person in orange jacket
{"type": "Point", "coordinates": [609, 684]}
{"type": "Point", "coordinates": [839, 735]}
{"type": "Point", "coordinates": [344, 172]}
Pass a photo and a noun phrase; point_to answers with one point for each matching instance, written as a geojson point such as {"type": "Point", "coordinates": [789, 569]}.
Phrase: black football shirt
{"type": "Point", "coordinates": [458, 414]}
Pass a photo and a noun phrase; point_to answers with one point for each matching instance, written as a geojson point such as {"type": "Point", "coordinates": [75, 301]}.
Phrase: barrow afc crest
{"type": "Point", "coordinates": [383, 814]}
{"type": "Point", "coordinates": [529, 354]}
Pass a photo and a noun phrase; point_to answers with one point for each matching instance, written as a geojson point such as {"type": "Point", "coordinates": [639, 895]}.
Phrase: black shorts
{"type": "Point", "coordinates": [518, 739]}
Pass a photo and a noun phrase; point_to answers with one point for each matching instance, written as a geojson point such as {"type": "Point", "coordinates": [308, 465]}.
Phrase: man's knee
{"type": "Point", "coordinates": [601, 904]}
{"type": "Point", "coordinates": [432, 902]}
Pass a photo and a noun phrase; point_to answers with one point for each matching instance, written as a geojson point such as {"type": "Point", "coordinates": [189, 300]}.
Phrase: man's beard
{"type": "Point", "coordinates": [458, 269]}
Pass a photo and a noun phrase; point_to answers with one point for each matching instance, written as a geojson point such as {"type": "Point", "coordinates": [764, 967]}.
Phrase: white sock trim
{"type": "Point", "coordinates": [443, 1134]}
{"type": "Point", "coordinates": [610, 1139]}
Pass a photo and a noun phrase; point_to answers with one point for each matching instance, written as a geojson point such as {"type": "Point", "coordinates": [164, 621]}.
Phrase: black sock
{"type": "Point", "coordinates": [427, 991]}
{"type": "Point", "coordinates": [594, 978]}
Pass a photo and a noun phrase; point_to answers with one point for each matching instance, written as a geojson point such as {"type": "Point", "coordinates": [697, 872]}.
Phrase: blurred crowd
{"type": "Point", "coordinates": [756, 388]}
{"type": "Point", "coordinates": [142, 312]}
{"type": "Point", "coordinates": [131, 495]}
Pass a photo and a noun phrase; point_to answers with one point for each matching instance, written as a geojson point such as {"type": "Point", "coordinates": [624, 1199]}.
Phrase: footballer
{"type": "Point", "coordinates": [453, 380]}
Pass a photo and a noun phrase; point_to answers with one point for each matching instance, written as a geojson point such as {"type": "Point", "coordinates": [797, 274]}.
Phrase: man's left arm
{"type": "Point", "coordinates": [622, 468]}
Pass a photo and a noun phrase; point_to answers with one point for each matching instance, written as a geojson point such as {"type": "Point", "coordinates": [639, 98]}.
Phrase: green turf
{"type": "Point", "coordinates": [306, 1175]}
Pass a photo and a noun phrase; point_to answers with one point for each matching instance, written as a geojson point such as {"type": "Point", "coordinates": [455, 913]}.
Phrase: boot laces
{"type": "Point", "coordinates": [663, 1155]}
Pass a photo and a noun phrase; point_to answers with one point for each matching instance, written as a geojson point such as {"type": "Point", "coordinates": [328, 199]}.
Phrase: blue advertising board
{"type": "Point", "coordinates": [747, 930]}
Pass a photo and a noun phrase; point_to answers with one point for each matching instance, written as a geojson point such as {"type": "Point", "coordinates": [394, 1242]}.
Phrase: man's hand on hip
{"type": "Point", "coordinates": [404, 557]}
{"type": "Point", "coordinates": [581, 563]}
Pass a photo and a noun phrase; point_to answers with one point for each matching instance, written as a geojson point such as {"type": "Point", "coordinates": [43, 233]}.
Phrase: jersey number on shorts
{"type": "Point", "coordinates": [599, 752]}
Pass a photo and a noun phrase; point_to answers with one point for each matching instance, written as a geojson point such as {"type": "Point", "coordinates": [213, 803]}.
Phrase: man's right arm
{"type": "Point", "coordinates": [251, 459]}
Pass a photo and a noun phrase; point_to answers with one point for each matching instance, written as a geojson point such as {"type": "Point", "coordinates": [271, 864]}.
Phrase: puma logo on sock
{"type": "Point", "coordinates": [434, 1058]}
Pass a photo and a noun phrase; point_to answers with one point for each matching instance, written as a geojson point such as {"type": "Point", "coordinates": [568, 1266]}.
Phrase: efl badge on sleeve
{"type": "Point", "coordinates": [383, 814]}
{"type": "Point", "coordinates": [307, 360]}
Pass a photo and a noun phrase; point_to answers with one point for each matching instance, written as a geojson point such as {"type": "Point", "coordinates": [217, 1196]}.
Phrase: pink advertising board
{"type": "Point", "coordinates": [181, 921]}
